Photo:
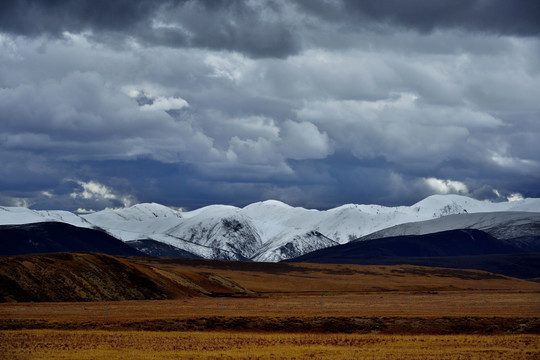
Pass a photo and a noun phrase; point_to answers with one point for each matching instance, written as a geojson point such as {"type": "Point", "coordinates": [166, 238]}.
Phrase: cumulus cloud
{"type": "Point", "coordinates": [510, 197]}
{"type": "Point", "coordinates": [322, 102]}
{"type": "Point", "coordinates": [303, 140]}
{"type": "Point", "coordinates": [259, 28]}
{"type": "Point", "coordinates": [252, 151]}
{"type": "Point", "coordinates": [445, 186]}
{"type": "Point", "coordinates": [401, 128]}
{"type": "Point", "coordinates": [165, 104]}
{"type": "Point", "coordinates": [99, 193]}
{"type": "Point", "coordinates": [249, 27]}
{"type": "Point", "coordinates": [82, 117]}
{"type": "Point", "coordinates": [515, 197]}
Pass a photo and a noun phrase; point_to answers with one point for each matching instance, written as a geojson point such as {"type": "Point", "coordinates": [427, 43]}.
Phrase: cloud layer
{"type": "Point", "coordinates": [312, 102]}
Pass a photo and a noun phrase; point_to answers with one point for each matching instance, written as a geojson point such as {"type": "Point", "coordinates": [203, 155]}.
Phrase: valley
{"type": "Point", "coordinates": [230, 309]}
{"type": "Point", "coordinates": [163, 289]}
{"type": "Point", "coordinates": [448, 275]}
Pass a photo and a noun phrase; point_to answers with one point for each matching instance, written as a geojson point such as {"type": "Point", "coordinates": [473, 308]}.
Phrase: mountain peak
{"type": "Point", "coordinates": [276, 203]}
{"type": "Point", "coordinates": [155, 209]}
{"type": "Point", "coordinates": [267, 230]}
{"type": "Point", "coordinates": [267, 204]}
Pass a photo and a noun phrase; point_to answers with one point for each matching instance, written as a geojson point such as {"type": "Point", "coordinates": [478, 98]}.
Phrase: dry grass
{"type": "Point", "coordinates": [48, 344]}
{"type": "Point", "coordinates": [265, 278]}
{"type": "Point", "coordinates": [310, 299]}
{"type": "Point", "coordinates": [385, 304]}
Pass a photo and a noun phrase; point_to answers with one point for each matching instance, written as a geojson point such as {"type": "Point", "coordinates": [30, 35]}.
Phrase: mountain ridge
{"type": "Point", "coordinates": [48, 237]}
{"type": "Point", "coordinates": [458, 248]}
{"type": "Point", "coordinates": [269, 230]}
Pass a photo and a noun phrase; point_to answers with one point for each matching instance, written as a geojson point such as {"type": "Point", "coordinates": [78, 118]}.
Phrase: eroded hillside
{"type": "Point", "coordinates": [98, 277]}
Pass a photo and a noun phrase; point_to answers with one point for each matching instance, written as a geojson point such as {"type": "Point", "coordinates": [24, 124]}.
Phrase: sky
{"type": "Point", "coordinates": [317, 103]}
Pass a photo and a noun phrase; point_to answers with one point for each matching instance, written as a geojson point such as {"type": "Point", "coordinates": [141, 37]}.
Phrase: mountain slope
{"type": "Point", "coordinates": [465, 248]}
{"type": "Point", "coordinates": [99, 277]}
{"type": "Point", "coordinates": [156, 248]}
{"type": "Point", "coordinates": [273, 231]}
{"type": "Point", "coordinates": [288, 248]}
{"type": "Point", "coordinates": [74, 277]}
{"type": "Point", "coordinates": [46, 237]}
{"type": "Point", "coordinates": [521, 229]}
{"type": "Point", "coordinates": [20, 215]}
{"type": "Point", "coordinates": [446, 243]}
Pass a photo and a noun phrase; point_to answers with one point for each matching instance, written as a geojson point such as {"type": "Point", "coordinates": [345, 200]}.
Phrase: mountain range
{"type": "Point", "coordinates": [272, 231]}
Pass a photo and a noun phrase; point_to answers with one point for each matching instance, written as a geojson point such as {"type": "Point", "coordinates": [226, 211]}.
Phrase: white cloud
{"type": "Point", "coordinates": [229, 66]}
{"type": "Point", "coordinates": [421, 105]}
{"type": "Point", "coordinates": [515, 197]}
{"type": "Point", "coordinates": [47, 194]}
{"type": "Point", "coordinates": [522, 166]}
{"type": "Point", "coordinates": [93, 190]}
{"type": "Point", "coordinates": [399, 128]}
{"type": "Point", "coordinates": [17, 201]}
{"type": "Point", "coordinates": [166, 104]}
{"type": "Point", "coordinates": [250, 127]}
{"type": "Point", "coordinates": [9, 50]}
{"type": "Point", "coordinates": [303, 140]}
{"type": "Point", "coordinates": [440, 186]}
{"type": "Point", "coordinates": [85, 211]}
{"type": "Point", "coordinates": [252, 151]}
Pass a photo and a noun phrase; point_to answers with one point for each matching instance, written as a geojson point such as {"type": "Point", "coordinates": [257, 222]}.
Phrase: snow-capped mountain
{"type": "Point", "coordinates": [517, 227]}
{"type": "Point", "coordinates": [274, 231]}
{"type": "Point", "coordinates": [21, 215]}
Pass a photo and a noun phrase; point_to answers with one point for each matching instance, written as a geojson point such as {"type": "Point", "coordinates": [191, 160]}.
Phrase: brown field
{"type": "Point", "coordinates": [51, 344]}
{"type": "Point", "coordinates": [384, 304]}
{"type": "Point", "coordinates": [252, 310]}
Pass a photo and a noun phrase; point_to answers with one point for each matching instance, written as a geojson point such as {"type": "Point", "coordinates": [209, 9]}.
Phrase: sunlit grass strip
{"type": "Point", "coordinates": [52, 344]}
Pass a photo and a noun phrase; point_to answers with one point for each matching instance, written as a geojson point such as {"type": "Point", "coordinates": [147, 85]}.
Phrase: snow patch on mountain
{"type": "Point", "coordinates": [230, 231]}
{"type": "Point", "coordinates": [135, 222]}
{"type": "Point", "coordinates": [287, 248]}
{"type": "Point", "coordinates": [272, 230]}
{"type": "Point", "coordinates": [501, 225]}
{"type": "Point", "coordinates": [20, 216]}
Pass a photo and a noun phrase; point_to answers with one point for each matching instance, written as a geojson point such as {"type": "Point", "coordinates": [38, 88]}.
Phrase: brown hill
{"type": "Point", "coordinates": [95, 277]}
{"type": "Point", "coordinates": [98, 277]}
{"type": "Point", "coordinates": [309, 278]}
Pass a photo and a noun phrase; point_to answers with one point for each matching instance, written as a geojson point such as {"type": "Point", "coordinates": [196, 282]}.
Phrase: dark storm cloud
{"type": "Point", "coordinates": [34, 17]}
{"type": "Point", "coordinates": [316, 103]}
{"type": "Point", "coordinates": [223, 25]}
{"type": "Point", "coordinates": [259, 29]}
{"type": "Point", "coordinates": [502, 17]}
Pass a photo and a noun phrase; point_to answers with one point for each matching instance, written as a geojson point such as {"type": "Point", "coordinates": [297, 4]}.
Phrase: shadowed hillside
{"type": "Point", "coordinates": [156, 248]}
{"type": "Point", "coordinates": [463, 249]}
{"type": "Point", "coordinates": [48, 237]}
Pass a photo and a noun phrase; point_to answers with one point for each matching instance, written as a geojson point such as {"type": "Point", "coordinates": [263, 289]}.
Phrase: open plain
{"type": "Point", "coordinates": [54, 344]}
{"type": "Point", "coordinates": [220, 309]}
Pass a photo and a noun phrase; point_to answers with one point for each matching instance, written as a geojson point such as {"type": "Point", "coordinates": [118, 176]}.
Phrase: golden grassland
{"type": "Point", "coordinates": [51, 344]}
{"type": "Point", "coordinates": [289, 311]}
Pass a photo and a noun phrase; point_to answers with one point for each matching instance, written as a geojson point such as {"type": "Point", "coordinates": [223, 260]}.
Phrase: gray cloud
{"type": "Point", "coordinates": [270, 28]}
{"type": "Point", "coordinates": [28, 17]}
{"type": "Point", "coordinates": [493, 16]}
{"type": "Point", "coordinates": [316, 103]}
{"type": "Point", "coordinates": [246, 27]}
